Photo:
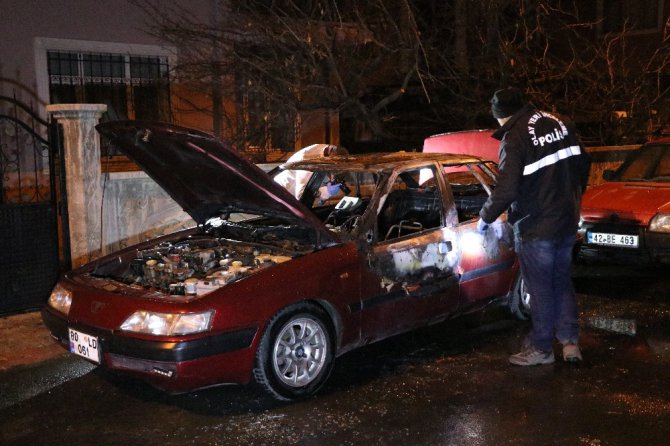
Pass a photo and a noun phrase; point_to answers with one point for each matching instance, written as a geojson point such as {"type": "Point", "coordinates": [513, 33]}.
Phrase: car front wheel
{"type": "Point", "coordinates": [295, 356]}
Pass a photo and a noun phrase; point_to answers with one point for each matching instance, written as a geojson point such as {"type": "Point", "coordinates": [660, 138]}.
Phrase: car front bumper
{"type": "Point", "coordinates": [174, 366]}
{"type": "Point", "coordinates": [653, 247]}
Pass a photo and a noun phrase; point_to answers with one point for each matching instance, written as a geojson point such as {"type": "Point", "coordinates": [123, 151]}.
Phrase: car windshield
{"type": "Point", "coordinates": [649, 163]}
{"type": "Point", "coordinates": [337, 196]}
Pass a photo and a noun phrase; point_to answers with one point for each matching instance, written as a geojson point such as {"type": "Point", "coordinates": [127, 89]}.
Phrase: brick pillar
{"type": "Point", "coordinates": [83, 177]}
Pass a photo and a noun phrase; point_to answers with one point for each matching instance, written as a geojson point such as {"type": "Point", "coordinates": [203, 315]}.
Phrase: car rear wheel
{"type": "Point", "coordinates": [295, 356]}
{"type": "Point", "coordinates": [519, 299]}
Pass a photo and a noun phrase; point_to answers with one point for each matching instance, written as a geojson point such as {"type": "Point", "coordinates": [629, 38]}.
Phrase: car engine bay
{"type": "Point", "coordinates": [192, 266]}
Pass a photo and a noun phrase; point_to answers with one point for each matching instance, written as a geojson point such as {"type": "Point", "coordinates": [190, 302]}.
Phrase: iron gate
{"type": "Point", "coordinates": [29, 223]}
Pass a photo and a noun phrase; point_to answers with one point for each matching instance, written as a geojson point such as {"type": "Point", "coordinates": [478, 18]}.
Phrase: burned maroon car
{"type": "Point", "coordinates": [271, 286]}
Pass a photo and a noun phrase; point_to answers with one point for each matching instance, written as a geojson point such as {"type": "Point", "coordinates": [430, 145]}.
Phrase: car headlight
{"type": "Point", "coordinates": [60, 299]}
{"type": "Point", "coordinates": [167, 324]}
{"type": "Point", "coordinates": [660, 223]}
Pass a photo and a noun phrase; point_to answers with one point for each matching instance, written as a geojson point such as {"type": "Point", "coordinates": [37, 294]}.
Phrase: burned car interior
{"type": "Point", "coordinates": [339, 197]}
{"type": "Point", "coordinates": [410, 206]}
{"type": "Point", "coordinates": [413, 203]}
{"type": "Point", "coordinates": [471, 189]}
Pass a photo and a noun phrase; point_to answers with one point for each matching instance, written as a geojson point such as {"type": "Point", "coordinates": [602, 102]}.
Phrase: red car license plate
{"type": "Point", "coordinates": [84, 345]}
{"type": "Point", "coordinates": [606, 239]}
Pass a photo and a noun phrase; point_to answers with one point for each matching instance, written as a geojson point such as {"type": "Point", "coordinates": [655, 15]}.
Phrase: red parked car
{"type": "Point", "coordinates": [272, 288]}
{"type": "Point", "coordinates": [627, 218]}
{"type": "Point", "coordinates": [469, 142]}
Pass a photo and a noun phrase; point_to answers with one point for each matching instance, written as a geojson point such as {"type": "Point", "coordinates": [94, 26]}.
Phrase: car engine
{"type": "Point", "coordinates": [193, 266]}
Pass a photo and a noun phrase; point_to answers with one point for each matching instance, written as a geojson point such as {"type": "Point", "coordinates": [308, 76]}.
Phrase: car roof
{"type": "Point", "coordinates": [381, 161]}
{"type": "Point", "coordinates": [471, 142]}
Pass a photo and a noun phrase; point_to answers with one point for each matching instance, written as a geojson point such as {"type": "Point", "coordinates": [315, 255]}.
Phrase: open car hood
{"type": "Point", "coordinates": [204, 176]}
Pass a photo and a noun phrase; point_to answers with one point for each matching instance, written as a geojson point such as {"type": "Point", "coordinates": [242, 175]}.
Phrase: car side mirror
{"type": "Point", "coordinates": [608, 175]}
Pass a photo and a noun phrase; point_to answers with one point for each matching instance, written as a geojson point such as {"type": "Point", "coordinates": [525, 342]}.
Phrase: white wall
{"type": "Point", "coordinates": [136, 209]}
{"type": "Point", "coordinates": [24, 21]}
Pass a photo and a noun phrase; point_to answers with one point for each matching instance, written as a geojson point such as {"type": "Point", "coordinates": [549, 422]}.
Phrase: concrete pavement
{"type": "Point", "coordinates": [25, 341]}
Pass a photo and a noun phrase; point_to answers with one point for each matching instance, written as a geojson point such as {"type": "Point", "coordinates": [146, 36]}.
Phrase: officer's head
{"type": "Point", "coordinates": [506, 102]}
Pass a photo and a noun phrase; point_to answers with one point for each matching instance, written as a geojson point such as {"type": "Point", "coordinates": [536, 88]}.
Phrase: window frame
{"type": "Point", "coordinates": [442, 198]}
{"type": "Point", "coordinates": [45, 44]}
{"type": "Point", "coordinates": [119, 80]}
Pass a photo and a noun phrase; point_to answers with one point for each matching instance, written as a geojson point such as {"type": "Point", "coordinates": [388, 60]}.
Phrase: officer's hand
{"type": "Point", "coordinates": [482, 226]}
{"type": "Point", "coordinates": [498, 227]}
{"type": "Point", "coordinates": [333, 188]}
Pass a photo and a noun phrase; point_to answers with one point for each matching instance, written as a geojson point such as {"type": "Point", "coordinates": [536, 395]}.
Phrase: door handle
{"type": "Point", "coordinates": [444, 247]}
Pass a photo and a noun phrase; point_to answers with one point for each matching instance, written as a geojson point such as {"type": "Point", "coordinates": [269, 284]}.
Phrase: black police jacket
{"type": "Point", "coordinates": [543, 173]}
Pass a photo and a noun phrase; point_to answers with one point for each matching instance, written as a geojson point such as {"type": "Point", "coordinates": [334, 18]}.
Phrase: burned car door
{"type": "Point", "coordinates": [411, 257]}
{"type": "Point", "coordinates": [484, 260]}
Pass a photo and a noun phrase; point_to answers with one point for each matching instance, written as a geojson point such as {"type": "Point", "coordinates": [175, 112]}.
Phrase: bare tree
{"type": "Point", "coordinates": [402, 69]}
{"type": "Point", "coordinates": [613, 85]}
{"type": "Point", "coordinates": [283, 57]}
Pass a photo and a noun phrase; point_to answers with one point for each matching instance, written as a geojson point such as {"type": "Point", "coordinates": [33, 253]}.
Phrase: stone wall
{"type": "Point", "coordinates": [135, 209]}
{"type": "Point", "coordinates": [107, 211]}
{"type": "Point", "coordinates": [81, 148]}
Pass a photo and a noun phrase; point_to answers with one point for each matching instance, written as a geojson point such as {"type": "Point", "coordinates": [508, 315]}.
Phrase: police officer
{"type": "Point", "coordinates": [543, 172]}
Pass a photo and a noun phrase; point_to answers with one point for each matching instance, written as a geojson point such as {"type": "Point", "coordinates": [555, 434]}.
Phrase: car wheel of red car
{"type": "Point", "coordinates": [296, 354]}
{"type": "Point", "coordinates": [519, 300]}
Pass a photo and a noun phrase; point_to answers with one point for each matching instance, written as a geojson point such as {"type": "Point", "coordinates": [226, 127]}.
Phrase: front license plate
{"type": "Point", "coordinates": [606, 239]}
{"type": "Point", "coordinates": [85, 345]}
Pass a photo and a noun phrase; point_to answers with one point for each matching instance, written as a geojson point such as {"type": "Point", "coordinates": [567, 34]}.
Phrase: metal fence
{"type": "Point", "coordinates": [29, 236]}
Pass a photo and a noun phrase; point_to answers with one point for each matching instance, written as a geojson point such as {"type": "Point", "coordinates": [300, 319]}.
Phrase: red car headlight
{"type": "Point", "coordinates": [167, 324]}
{"type": "Point", "coordinates": [60, 299]}
{"type": "Point", "coordinates": [660, 223]}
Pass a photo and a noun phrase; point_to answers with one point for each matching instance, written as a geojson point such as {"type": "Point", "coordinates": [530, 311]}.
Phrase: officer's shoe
{"type": "Point", "coordinates": [532, 356]}
{"type": "Point", "coordinates": [571, 353]}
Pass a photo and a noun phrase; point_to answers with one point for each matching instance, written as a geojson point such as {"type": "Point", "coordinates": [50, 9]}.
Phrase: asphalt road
{"type": "Point", "coordinates": [444, 385]}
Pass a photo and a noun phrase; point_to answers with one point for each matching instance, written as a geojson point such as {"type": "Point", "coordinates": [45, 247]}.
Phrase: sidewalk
{"type": "Point", "coordinates": [25, 341]}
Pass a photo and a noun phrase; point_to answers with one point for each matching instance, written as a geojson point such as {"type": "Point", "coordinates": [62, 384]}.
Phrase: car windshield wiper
{"type": "Point", "coordinates": [660, 178]}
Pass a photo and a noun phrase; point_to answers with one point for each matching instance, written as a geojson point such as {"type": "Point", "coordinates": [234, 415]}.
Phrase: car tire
{"type": "Point", "coordinates": [296, 353]}
{"type": "Point", "coordinates": [519, 300]}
